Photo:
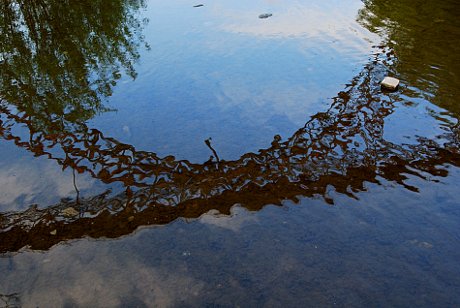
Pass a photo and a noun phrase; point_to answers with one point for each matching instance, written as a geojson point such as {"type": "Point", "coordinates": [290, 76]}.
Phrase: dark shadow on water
{"type": "Point", "coordinates": [341, 149]}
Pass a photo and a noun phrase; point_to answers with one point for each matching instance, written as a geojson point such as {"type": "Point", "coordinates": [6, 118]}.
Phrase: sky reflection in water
{"type": "Point", "coordinates": [207, 77]}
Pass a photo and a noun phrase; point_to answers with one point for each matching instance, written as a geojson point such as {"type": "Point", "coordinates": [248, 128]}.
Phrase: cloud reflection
{"type": "Point", "coordinates": [26, 182]}
{"type": "Point", "coordinates": [87, 270]}
{"type": "Point", "coordinates": [323, 20]}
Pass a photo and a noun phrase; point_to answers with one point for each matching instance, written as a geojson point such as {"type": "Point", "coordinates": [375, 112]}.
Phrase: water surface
{"type": "Point", "coordinates": [317, 187]}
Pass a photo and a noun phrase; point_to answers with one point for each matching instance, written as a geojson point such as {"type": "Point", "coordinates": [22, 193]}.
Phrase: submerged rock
{"type": "Point", "coordinates": [266, 15]}
{"type": "Point", "coordinates": [390, 83]}
{"type": "Point", "coordinates": [70, 212]}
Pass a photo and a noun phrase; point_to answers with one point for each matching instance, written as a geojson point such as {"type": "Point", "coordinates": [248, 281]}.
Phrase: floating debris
{"type": "Point", "coordinates": [70, 212]}
{"type": "Point", "coordinates": [266, 15]}
{"type": "Point", "coordinates": [54, 232]}
{"type": "Point", "coordinates": [198, 5]}
{"type": "Point", "coordinates": [390, 83]}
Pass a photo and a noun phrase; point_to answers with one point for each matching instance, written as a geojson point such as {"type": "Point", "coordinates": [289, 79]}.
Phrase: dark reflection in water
{"type": "Point", "coordinates": [341, 148]}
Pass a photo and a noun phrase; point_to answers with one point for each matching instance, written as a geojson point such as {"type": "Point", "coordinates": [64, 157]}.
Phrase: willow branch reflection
{"type": "Point", "coordinates": [58, 59]}
{"type": "Point", "coordinates": [342, 148]}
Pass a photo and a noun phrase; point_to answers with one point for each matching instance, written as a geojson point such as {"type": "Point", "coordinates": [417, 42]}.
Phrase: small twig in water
{"type": "Point", "coordinates": [208, 143]}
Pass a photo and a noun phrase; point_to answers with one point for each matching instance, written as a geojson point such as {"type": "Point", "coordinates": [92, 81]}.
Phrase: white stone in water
{"type": "Point", "coordinates": [390, 83]}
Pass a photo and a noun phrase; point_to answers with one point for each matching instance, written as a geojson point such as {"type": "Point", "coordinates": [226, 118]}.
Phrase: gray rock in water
{"type": "Point", "coordinates": [266, 15]}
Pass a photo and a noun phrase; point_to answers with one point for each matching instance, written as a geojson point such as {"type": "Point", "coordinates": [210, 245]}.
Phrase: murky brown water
{"type": "Point", "coordinates": [113, 194]}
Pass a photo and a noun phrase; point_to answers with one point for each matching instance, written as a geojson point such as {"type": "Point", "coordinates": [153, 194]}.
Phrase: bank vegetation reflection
{"type": "Point", "coordinates": [425, 40]}
{"type": "Point", "coordinates": [340, 149]}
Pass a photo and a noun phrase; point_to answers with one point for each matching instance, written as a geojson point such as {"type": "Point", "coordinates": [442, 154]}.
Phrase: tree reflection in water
{"type": "Point", "coordinates": [59, 58]}
{"type": "Point", "coordinates": [342, 148]}
{"type": "Point", "coordinates": [424, 36]}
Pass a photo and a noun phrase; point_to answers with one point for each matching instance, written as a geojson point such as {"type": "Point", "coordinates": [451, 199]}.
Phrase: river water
{"type": "Point", "coordinates": [160, 154]}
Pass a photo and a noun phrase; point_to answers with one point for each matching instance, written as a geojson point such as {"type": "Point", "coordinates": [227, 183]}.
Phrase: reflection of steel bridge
{"type": "Point", "coordinates": [341, 148]}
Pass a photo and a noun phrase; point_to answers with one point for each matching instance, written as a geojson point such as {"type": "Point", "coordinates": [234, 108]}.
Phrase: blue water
{"type": "Point", "coordinates": [219, 71]}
